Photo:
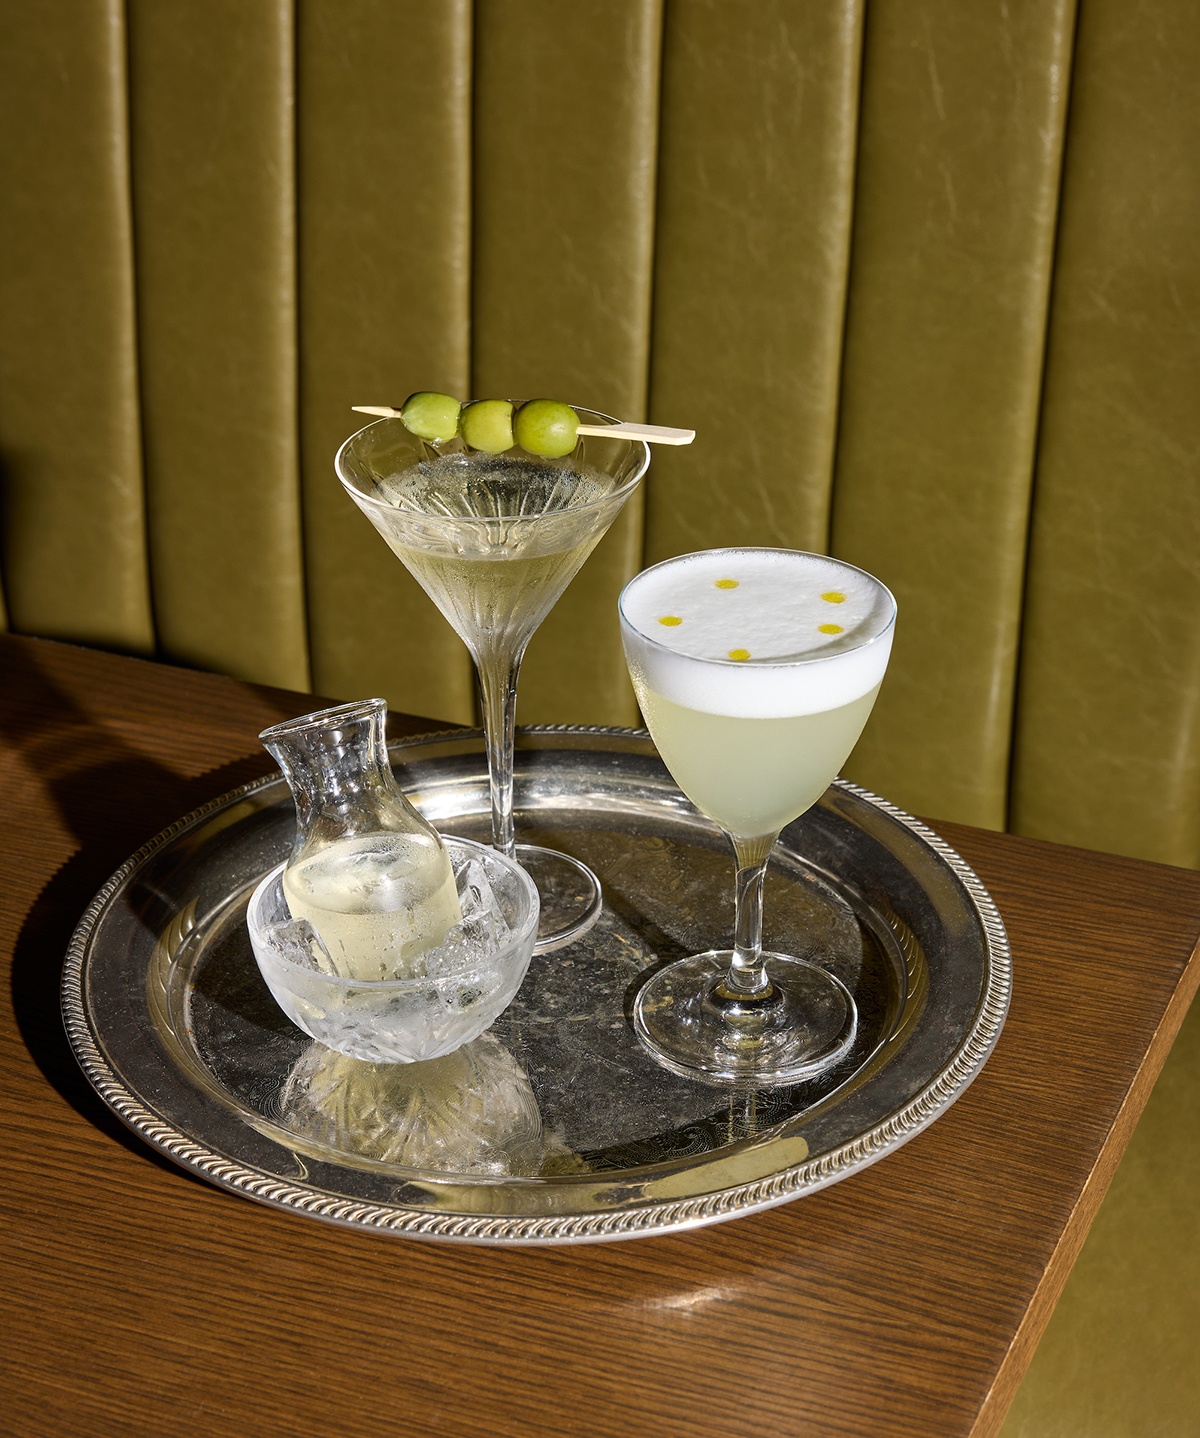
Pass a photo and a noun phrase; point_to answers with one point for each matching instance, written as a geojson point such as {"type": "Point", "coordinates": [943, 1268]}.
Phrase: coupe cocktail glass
{"type": "Point", "coordinates": [756, 670]}
{"type": "Point", "coordinates": [494, 540]}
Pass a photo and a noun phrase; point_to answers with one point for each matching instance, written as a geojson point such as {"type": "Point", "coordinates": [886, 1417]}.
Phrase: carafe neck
{"type": "Point", "coordinates": [335, 763]}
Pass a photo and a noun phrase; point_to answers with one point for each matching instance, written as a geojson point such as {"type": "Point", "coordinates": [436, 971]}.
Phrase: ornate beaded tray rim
{"type": "Point", "coordinates": [608, 1217]}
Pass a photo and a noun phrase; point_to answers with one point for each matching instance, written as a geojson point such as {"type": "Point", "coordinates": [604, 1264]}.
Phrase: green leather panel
{"type": "Point", "coordinates": [71, 507]}
{"type": "Point", "coordinates": [211, 97]}
{"type": "Point", "coordinates": [1118, 1359]}
{"type": "Point", "coordinates": [385, 236]}
{"type": "Point", "coordinates": [1108, 750]}
{"type": "Point", "coordinates": [566, 136]}
{"type": "Point", "coordinates": [760, 116]}
{"type": "Point", "coordinates": [959, 158]}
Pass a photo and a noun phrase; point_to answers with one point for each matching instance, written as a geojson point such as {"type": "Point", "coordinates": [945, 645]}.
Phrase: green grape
{"type": "Point", "coordinates": [487, 425]}
{"type": "Point", "coordinates": [546, 427]}
{"type": "Point", "coordinates": [430, 415]}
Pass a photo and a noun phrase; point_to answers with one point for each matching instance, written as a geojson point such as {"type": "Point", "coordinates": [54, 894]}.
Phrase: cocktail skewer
{"type": "Point", "coordinates": [626, 429]}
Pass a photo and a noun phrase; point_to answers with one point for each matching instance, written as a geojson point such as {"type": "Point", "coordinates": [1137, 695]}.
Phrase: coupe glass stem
{"type": "Point", "coordinates": [747, 977]}
{"type": "Point", "coordinates": [497, 674]}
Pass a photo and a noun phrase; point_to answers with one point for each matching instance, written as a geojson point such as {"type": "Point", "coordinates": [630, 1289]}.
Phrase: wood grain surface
{"type": "Point", "coordinates": [137, 1300]}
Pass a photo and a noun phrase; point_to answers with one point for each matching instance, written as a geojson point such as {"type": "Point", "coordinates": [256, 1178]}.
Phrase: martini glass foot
{"type": "Point", "coordinates": [569, 894]}
{"type": "Point", "coordinates": [694, 1026]}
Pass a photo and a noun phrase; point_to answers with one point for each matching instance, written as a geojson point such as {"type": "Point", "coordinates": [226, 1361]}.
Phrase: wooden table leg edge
{"type": "Point", "coordinates": [1020, 1353]}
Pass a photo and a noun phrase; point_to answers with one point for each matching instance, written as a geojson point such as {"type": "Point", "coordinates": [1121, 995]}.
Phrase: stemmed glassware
{"type": "Point", "coordinates": [756, 670]}
{"type": "Point", "coordinates": [494, 539]}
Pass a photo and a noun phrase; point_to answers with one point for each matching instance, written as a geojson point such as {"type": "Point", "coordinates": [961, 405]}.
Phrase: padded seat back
{"type": "Point", "coordinates": [926, 284]}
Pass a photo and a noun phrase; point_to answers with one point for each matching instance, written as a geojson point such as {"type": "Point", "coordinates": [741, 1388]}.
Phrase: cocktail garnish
{"type": "Point", "coordinates": [739, 654]}
{"type": "Point", "coordinates": [670, 619]}
{"type": "Point", "coordinates": [544, 431]}
{"type": "Point", "coordinates": [725, 584]}
{"type": "Point", "coordinates": [831, 629]}
{"type": "Point", "coordinates": [834, 596]}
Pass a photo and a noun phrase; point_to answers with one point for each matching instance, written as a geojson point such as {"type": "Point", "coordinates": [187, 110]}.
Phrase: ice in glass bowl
{"type": "Point", "coordinates": [466, 984]}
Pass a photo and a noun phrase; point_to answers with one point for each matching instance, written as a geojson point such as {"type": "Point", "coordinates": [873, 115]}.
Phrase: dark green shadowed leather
{"type": "Point", "coordinates": [211, 85]}
{"type": "Point", "coordinates": [566, 137]}
{"type": "Point", "coordinates": [72, 523]}
{"type": "Point", "coordinates": [962, 125]}
{"type": "Point", "coordinates": [385, 257]}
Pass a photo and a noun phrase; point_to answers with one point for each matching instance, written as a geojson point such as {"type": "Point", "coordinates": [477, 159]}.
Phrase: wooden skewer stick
{"type": "Point", "coordinates": [651, 433]}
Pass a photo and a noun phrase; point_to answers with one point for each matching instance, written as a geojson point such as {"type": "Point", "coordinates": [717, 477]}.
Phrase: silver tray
{"type": "Point", "coordinates": [555, 1126]}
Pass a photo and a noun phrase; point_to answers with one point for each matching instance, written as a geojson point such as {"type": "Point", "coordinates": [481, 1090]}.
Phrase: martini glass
{"type": "Point", "coordinates": [756, 670]}
{"type": "Point", "coordinates": [494, 539]}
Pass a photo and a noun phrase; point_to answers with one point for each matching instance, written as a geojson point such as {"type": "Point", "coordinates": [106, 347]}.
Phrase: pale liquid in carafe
{"type": "Point", "coordinates": [378, 902]}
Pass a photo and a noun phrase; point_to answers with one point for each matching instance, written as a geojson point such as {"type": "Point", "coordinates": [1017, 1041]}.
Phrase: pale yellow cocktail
{"type": "Point", "coordinates": [756, 670]}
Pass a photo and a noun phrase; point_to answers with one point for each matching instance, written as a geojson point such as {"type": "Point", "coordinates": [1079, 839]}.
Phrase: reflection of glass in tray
{"type": "Point", "coordinates": [469, 1112]}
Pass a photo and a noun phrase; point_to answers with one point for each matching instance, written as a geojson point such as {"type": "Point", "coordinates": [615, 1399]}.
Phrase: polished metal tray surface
{"type": "Point", "coordinates": [555, 1126]}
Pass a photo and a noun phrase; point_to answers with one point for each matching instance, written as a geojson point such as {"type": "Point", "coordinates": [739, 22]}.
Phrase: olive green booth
{"type": "Point", "coordinates": [923, 276]}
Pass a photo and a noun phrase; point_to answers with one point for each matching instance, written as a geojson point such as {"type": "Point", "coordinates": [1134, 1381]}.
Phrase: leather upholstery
{"type": "Point", "coordinates": [211, 92]}
{"type": "Point", "coordinates": [1108, 738]}
{"type": "Point", "coordinates": [566, 132]}
{"type": "Point", "coordinates": [959, 151]}
{"type": "Point", "coordinates": [72, 525]}
{"type": "Point", "coordinates": [756, 188]}
{"type": "Point", "coordinates": [384, 203]}
{"type": "Point", "coordinates": [923, 275]}
{"type": "Point", "coordinates": [836, 246]}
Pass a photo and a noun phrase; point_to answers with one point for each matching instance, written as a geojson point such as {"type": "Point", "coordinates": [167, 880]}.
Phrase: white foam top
{"type": "Point", "coordinates": [757, 633]}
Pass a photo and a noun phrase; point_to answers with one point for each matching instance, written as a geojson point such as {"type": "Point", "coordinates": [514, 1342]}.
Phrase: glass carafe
{"type": "Point", "coordinates": [367, 872]}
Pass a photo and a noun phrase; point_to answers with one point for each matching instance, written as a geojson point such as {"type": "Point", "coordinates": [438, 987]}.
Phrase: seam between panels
{"type": "Point", "coordinates": [1039, 424]}
{"type": "Point", "coordinates": [471, 11]}
{"type": "Point", "coordinates": [847, 275]}
{"type": "Point", "coordinates": [665, 9]}
{"type": "Point", "coordinates": [655, 31]}
{"type": "Point", "coordinates": [135, 319]}
{"type": "Point", "coordinates": [469, 7]}
{"type": "Point", "coordinates": [298, 487]}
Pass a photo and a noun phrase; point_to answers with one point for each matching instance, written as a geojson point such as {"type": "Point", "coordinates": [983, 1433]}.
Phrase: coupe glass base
{"type": "Point", "coordinates": [806, 1027]}
{"type": "Point", "coordinates": [569, 892]}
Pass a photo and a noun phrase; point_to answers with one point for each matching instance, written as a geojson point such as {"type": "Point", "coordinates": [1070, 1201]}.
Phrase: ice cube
{"type": "Point", "coordinates": [297, 941]}
{"type": "Point", "coordinates": [483, 929]}
{"type": "Point", "coordinates": [483, 921]}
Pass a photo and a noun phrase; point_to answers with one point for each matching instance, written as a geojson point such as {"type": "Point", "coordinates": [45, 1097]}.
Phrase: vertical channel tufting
{"type": "Point", "coordinates": [214, 203]}
{"type": "Point", "coordinates": [71, 501]}
{"type": "Point", "coordinates": [959, 161]}
{"type": "Point", "coordinates": [385, 276]}
{"type": "Point", "coordinates": [1111, 653]}
{"type": "Point", "coordinates": [566, 135]}
{"type": "Point", "coordinates": [760, 114]}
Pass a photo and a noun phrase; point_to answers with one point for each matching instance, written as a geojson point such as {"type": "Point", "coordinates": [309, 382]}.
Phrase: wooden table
{"type": "Point", "coordinates": [905, 1301]}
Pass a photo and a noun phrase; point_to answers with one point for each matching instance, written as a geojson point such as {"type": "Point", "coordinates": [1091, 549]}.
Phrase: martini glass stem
{"type": "Point", "coordinates": [747, 977]}
{"type": "Point", "coordinates": [497, 674]}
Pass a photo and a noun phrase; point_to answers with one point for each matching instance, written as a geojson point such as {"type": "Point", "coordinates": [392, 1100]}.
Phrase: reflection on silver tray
{"type": "Point", "coordinates": [555, 1126]}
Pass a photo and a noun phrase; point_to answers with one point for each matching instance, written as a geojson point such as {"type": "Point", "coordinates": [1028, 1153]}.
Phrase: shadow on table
{"type": "Point", "coordinates": [112, 799]}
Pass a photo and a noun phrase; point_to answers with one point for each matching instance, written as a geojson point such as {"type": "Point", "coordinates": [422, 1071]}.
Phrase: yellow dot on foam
{"type": "Point", "coordinates": [725, 584]}
{"type": "Point", "coordinates": [670, 620]}
{"type": "Point", "coordinates": [831, 629]}
{"type": "Point", "coordinates": [834, 597]}
{"type": "Point", "coordinates": [739, 654]}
